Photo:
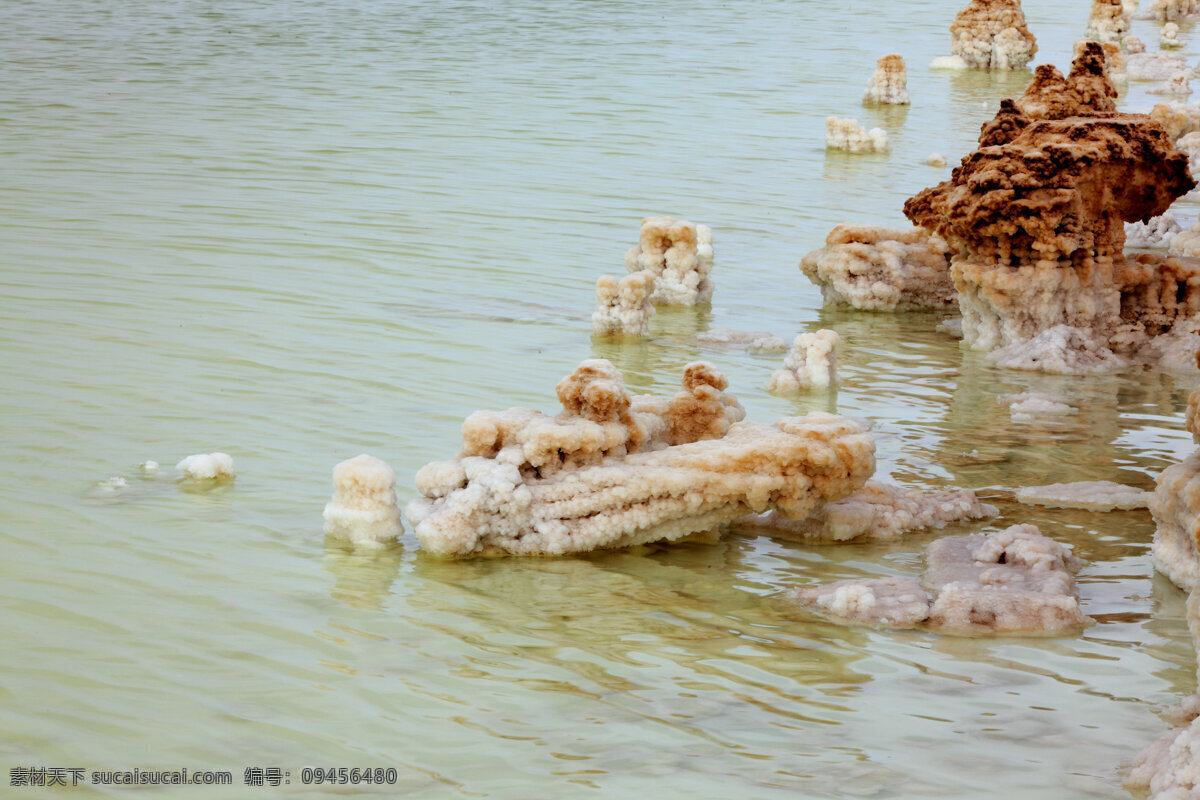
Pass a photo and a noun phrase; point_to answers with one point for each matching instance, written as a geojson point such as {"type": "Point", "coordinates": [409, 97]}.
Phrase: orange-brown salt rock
{"type": "Point", "coordinates": [1087, 91]}
{"type": "Point", "coordinates": [991, 34]}
{"type": "Point", "coordinates": [1109, 20]}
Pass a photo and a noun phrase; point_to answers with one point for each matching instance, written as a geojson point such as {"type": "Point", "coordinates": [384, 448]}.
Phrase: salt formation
{"type": "Point", "coordinates": [889, 83]}
{"type": "Point", "coordinates": [811, 363]}
{"type": "Point", "coordinates": [1178, 85]}
{"type": "Point", "coordinates": [876, 512]}
{"type": "Point", "coordinates": [1169, 36]}
{"type": "Point", "coordinates": [1089, 495]}
{"type": "Point", "coordinates": [936, 160]}
{"type": "Point", "coordinates": [1030, 406]}
{"type": "Point", "coordinates": [678, 253]}
{"type": "Point", "coordinates": [848, 135]}
{"type": "Point", "coordinates": [1169, 769]}
{"type": "Point", "coordinates": [211, 466]}
{"type": "Point", "coordinates": [149, 466]}
{"type": "Point", "coordinates": [1177, 119]}
{"type": "Point", "coordinates": [1133, 45]}
{"type": "Point", "coordinates": [991, 34]}
{"type": "Point", "coordinates": [1143, 66]}
{"type": "Point", "coordinates": [1186, 242]}
{"type": "Point", "coordinates": [623, 307]}
{"type": "Point", "coordinates": [363, 508]}
{"type": "Point", "coordinates": [1156, 232]}
{"type": "Point", "coordinates": [1035, 219]}
{"type": "Point", "coordinates": [613, 470]}
{"type": "Point", "coordinates": [754, 341]}
{"type": "Point", "coordinates": [1114, 59]}
{"type": "Point", "coordinates": [1109, 21]}
{"type": "Point", "coordinates": [1173, 10]}
{"type": "Point", "coordinates": [879, 269]}
{"type": "Point", "coordinates": [1011, 581]}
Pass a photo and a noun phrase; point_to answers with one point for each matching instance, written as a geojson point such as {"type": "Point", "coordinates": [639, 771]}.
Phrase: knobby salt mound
{"type": "Point", "coordinates": [1156, 232]}
{"type": "Point", "coordinates": [613, 470]}
{"type": "Point", "coordinates": [1109, 21]}
{"type": "Point", "coordinates": [876, 512]}
{"type": "Point", "coordinates": [623, 307]}
{"type": "Point", "coordinates": [889, 82]}
{"type": "Point", "coordinates": [1011, 581]}
{"type": "Point", "coordinates": [991, 34]}
{"type": "Point", "coordinates": [1115, 65]}
{"type": "Point", "coordinates": [810, 364]}
{"type": "Point", "coordinates": [846, 134]}
{"type": "Point", "coordinates": [678, 254]}
{"type": "Point", "coordinates": [1169, 769]}
{"type": "Point", "coordinates": [1035, 221]}
{"type": "Point", "coordinates": [363, 508]}
{"type": "Point", "coordinates": [1088, 495]}
{"type": "Point", "coordinates": [207, 466]}
{"type": "Point", "coordinates": [879, 269]}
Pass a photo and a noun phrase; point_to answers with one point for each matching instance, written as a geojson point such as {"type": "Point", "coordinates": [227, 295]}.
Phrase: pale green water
{"type": "Point", "coordinates": [299, 231]}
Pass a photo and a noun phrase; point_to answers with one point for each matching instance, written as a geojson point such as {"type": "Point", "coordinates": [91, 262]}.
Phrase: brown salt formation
{"type": "Point", "coordinates": [1011, 581]}
{"type": "Point", "coordinates": [623, 307]}
{"type": "Point", "coordinates": [613, 470]}
{"type": "Point", "coordinates": [991, 34]}
{"type": "Point", "coordinates": [1087, 91]}
{"type": "Point", "coordinates": [678, 254]}
{"type": "Point", "coordinates": [880, 269]}
{"type": "Point", "coordinates": [1035, 219]}
{"type": "Point", "coordinates": [889, 83]}
{"type": "Point", "coordinates": [1109, 21]}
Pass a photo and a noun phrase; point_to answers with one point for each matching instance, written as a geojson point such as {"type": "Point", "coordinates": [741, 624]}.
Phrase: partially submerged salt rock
{"type": "Point", "coordinates": [880, 269]}
{"type": "Point", "coordinates": [846, 134]}
{"type": "Point", "coordinates": [623, 307]}
{"type": "Point", "coordinates": [1035, 218]}
{"type": "Point", "coordinates": [363, 507]}
{"type": "Point", "coordinates": [1170, 767]}
{"type": "Point", "coordinates": [614, 470]}
{"type": "Point", "coordinates": [1089, 495]}
{"type": "Point", "coordinates": [1114, 59]}
{"type": "Point", "coordinates": [1156, 66]}
{"type": "Point", "coordinates": [1030, 406]}
{"type": "Point", "coordinates": [674, 252]}
{"type": "Point", "coordinates": [1155, 232]}
{"type": "Point", "coordinates": [1177, 119]}
{"type": "Point", "coordinates": [1179, 85]}
{"type": "Point", "coordinates": [1176, 510]}
{"type": "Point", "coordinates": [991, 34]}
{"type": "Point", "coordinates": [1109, 21]}
{"type": "Point", "coordinates": [207, 466]}
{"type": "Point", "coordinates": [754, 341]}
{"type": "Point", "coordinates": [889, 82]}
{"type": "Point", "coordinates": [876, 512]}
{"type": "Point", "coordinates": [1133, 45]}
{"type": "Point", "coordinates": [1011, 581]}
{"type": "Point", "coordinates": [1086, 91]}
{"type": "Point", "coordinates": [811, 363]}
{"type": "Point", "coordinates": [936, 160]}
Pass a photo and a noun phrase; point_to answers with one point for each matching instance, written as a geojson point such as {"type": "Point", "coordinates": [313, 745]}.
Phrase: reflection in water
{"type": "Point", "coordinates": [363, 576]}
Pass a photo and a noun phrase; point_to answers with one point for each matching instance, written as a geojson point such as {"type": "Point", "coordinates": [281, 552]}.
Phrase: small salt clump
{"type": "Point", "coordinates": [889, 83]}
{"type": "Point", "coordinates": [149, 466]}
{"type": "Point", "coordinates": [113, 484]}
{"type": "Point", "coordinates": [1030, 406]}
{"type": "Point", "coordinates": [363, 508]}
{"type": "Point", "coordinates": [1157, 232]}
{"type": "Point", "coordinates": [1133, 45]}
{"type": "Point", "coordinates": [811, 363]}
{"type": "Point", "coordinates": [211, 466]}
{"type": "Point", "coordinates": [623, 307]}
{"type": "Point", "coordinates": [991, 34]}
{"type": "Point", "coordinates": [880, 269]}
{"type": "Point", "coordinates": [895, 602]}
{"type": "Point", "coordinates": [847, 134]}
{"type": "Point", "coordinates": [936, 160]}
{"type": "Point", "coordinates": [1165, 10]}
{"type": "Point", "coordinates": [674, 252]}
{"type": "Point", "coordinates": [1089, 495]}
{"type": "Point", "coordinates": [1169, 37]}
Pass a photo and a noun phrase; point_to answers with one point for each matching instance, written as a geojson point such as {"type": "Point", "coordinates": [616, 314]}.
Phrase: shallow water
{"type": "Point", "coordinates": [299, 231]}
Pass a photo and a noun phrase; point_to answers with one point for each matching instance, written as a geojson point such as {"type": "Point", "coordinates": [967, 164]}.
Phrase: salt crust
{"type": "Point", "coordinates": [889, 82]}
{"type": "Point", "coordinates": [1178, 85]}
{"type": "Point", "coordinates": [879, 269]}
{"type": "Point", "coordinates": [1154, 66]}
{"type": "Point", "coordinates": [1156, 232]}
{"type": "Point", "coordinates": [754, 341]}
{"type": "Point", "coordinates": [1011, 581]}
{"type": "Point", "coordinates": [846, 134]}
{"type": "Point", "coordinates": [1030, 406]}
{"type": "Point", "coordinates": [623, 307]}
{"type": "Point", "coordinates": [810, 364]}
{"type": "Point", "coordinates": [991, 34]}
{"type": "Point", "coordinates": [878, 511]}
{"type": "Point", "coordinates": [1062, 349]}
{"type": "Point", "coordinates": [678, 254]}
{"type": "Point", "coordinates": [1089, 495]}
{"type": "Point", "coordinates": [207, 467]}
{"type": "Point", "coordinates": [363, 507]}
{"type": "Point", "coordinates": [613, 470]}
